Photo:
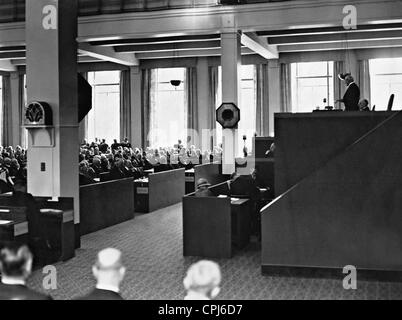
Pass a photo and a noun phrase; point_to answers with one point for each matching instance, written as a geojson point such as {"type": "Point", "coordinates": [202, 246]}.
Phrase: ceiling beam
{"type": "Point", "coordinates": [108, 54]}
{"type": "Point", "coordinates": [215, 44]}
{"type": "Point", "coordinates": [7, 66]}
{"type": "Point", "coordinates": [336, 37]}
{"type": "Point", "coordinates": [88, 59]}
{"type": "Point", "coordinates": [340, 46]}
{"type": "Point", "coordinates": [12, 49]}
{"type": "Point", "coordinates": [187, 53]}
{"type": "Point", "coordinates": [80, 59]}
{"type": "Point", "coordinates": [156, 40]}
{"type": "Point", "coordinates": [11, 55]}
{"type": "Point", "coordinates": [329, 30]}
{"type": "Point", "coordinates": [259, 46]}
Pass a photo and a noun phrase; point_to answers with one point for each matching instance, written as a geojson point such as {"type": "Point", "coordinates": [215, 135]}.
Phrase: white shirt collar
{"type": "Point", "coordinates": [350, 84]}
{"type": "Point", "coordinates": [11, 281]}
{"type": "Point", "coordinates": [193, 295]}
{"type": "Point", "coordinates": [107, 287]}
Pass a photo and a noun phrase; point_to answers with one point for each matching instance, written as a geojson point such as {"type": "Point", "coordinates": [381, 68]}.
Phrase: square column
{"type": "Point", "coordinates": [51, 32]}
{"type": "Point", "coordinates": [231, 62]}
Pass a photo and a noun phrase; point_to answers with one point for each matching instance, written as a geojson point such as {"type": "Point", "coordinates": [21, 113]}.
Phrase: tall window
{"type": "Point", "coordinates": [247, 123]}
{"type": "Point", "coordinates": [312, 82]}
{"type": "Point", "coordinates": [386, 79]}
{"type": "Point", "coordinates": [104, 117]}
{"type": "Point", "coordinates": [168, 114]}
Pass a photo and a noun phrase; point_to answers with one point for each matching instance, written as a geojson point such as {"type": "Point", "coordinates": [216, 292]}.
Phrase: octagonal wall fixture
{"type": "Point", "coordinates": [228, 115]}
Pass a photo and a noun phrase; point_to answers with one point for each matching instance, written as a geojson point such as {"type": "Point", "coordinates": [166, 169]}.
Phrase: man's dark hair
{"type": "Point", "coordinates": [13, 260]}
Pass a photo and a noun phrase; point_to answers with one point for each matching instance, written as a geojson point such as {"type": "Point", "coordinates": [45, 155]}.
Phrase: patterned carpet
{"type": "Point", "coordinates": [152, 247]}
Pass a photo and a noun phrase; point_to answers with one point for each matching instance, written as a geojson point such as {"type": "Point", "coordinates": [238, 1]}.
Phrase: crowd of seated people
{"type": "Point", "coordinates": [201, 282]}
{"type": "Point", "coordinates": [121, 160]}
{"type": "Point", "coordinates": [13, 164]}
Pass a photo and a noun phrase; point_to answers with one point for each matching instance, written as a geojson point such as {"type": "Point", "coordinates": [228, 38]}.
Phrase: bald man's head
{"type": "Point", "coordinates": [108, 269]}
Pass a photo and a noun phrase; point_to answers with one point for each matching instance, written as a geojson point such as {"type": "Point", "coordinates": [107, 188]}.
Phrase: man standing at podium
{"type": "Point", "coordinates": [352, 95]}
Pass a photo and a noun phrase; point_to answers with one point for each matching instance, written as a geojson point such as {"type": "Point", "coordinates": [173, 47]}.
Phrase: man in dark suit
{"type": "Point", "coordinates": [16, 267]}
{"type": "Point", "coordinates": [246, 185]}
{"type": "Point", "coordinates": [352, 95]}
{"type": "Point", "coordinates": [109, 273]}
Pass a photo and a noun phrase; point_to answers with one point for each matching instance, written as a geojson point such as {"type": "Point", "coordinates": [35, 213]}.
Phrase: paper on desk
{"type": "Point", "coordinates": [3, 222]}
{"type": "Point", "coordinates": [234, 199]}
{"type": "Point", "coordinates": [222, 196]}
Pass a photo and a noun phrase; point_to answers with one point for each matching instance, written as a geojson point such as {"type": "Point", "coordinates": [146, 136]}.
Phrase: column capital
{"type": "Point", "coordinates": [229, 23]}
{"type": "Point", "coordinates": [274, 63]}
{"type": "Point", "coordinates": [14, 75]}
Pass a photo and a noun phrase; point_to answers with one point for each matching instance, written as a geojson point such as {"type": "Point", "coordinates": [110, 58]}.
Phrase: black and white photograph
{"type": "Point", "coordinates": [167, 151]}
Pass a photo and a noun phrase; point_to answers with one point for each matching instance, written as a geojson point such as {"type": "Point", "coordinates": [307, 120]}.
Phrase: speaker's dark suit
{"type": "Point", "coordinates": [99, 294]}
{"type": "Point", "coordinates": [351, 98]}
{"type": "Point", "coordinates": [20, 292]}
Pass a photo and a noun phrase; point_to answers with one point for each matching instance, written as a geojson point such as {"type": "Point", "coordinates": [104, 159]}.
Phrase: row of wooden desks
{"type": "Point", "coordinates": [51, 237]}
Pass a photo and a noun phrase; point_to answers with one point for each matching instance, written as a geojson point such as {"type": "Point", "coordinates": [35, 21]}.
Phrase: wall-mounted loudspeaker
{"type": "Point", "coordinates": [228, 115]}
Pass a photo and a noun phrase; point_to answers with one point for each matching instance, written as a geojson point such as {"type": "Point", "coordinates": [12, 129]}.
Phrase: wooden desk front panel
{"type": "Point", "coordinates": [105, 204]}
{"type": "Point", "coordinates": [166, 188]}
{"type": "Point", "coordinates": [207, 227]}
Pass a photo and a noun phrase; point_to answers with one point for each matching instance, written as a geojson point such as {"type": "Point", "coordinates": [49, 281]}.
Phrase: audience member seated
{"type": "Point", "coordinates": [118, 170]}
{"type": "Point", "coordinates": [202, 188]}
{"type": "Point", "coordinates": [364, 105]}
{"type": "Point", "coordinates": [109, 273]}
{"type": "Point", "coordinates": [6, 183]}
{"type": "Point", "coordinates": [114, 145]}
{"type": "Point", "coordinates": [97, 165]}
{"type": "Point", "coordinates": [16, 267]}
{"type": "Point", "coordinates": [202, 281]}
{"type": "Point", "coordinates": [103, 146]}
{"type": "Point", "coordinates": [84, 175]}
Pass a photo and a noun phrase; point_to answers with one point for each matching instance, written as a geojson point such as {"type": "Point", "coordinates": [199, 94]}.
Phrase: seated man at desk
{"type": "Point", "coordinates": [202, 188]}
{"type": "Point", "coordinates": [364, 105]}
{"type": "Point", "coordinates": [245, 185]}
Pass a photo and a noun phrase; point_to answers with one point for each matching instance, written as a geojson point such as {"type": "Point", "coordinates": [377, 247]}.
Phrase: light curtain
{"type": "Point", "coordinates": [262, 99]}
{"type": "Point", "coordinates": [148, 103]}
{"type": "Point", "coordinates": [6, 127]}
{"type": "Point", "coordinates": [339, 85]}
{"type": "Point", "coordinates": [192, 105]}
{"type": "Point", "coordinates": [213, 96]}
{"type": "Point", "coordinates": [125, 105]}
{"type": "Point", "coordinates": [363, 80]}
{"type": "Point", "coordinates": [286, 87]}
